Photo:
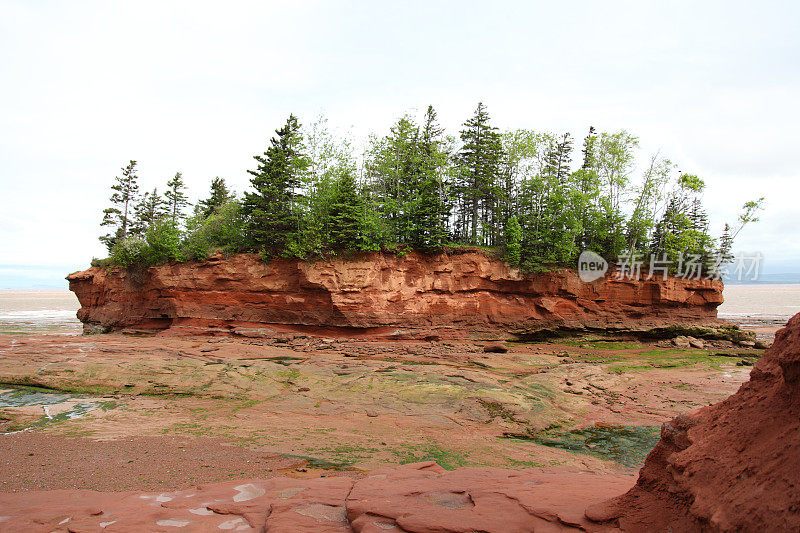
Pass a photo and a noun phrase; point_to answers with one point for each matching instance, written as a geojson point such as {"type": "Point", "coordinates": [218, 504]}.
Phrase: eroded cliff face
{"type": "Point", "coordinates": [733, 466]}
{"type": "Point", "coordinates": [381, 293]}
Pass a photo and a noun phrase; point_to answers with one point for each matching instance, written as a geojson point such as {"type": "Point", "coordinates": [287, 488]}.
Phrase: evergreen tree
{"type": "Point", "coordinates": [218, 196]}
{"type": "Point", "coordinates": [550, 210]}
{"type": "Point", "coordinates": [345, 215]}
{"type": "Point", "coordinates": [513, 239]}
{"type": "Point", "coordinates": [431, 209]}
{"type": "Point", "coordinates": [119, 215]}
{"type": "Point", "coordinates": [479, 160]}
{"type": "Point", "coordinates": [394, 169]}
{"type": "Point", "coordinates": [702, 243]}
{"type": "Point", "coordinates": [328, 159]}
{"type": "Point", "coordinates": [587, 185]}
{"type": "Point", "coordinates": [147, 211]}
{"type": "Point", "coordinates": [271, 210]}
{"type": "Point", "coordinates": [725, 246]}
{"type": "Point", "coordinates": [559, 158]}
{"type": "Point", "coordinates": [589, 149]}
{"type": "Point", "coordinates": [176, 199]}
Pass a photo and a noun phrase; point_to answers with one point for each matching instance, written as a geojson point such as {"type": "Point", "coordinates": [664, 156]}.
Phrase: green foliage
{"type": "Point", "coordinates": [417, 188]}
{"type": "Point", "coordinates": [682, 233]}
{"type": "Point", "coordinates": [513, 238]}
{"type": "Point", "coordinates": [118, 216]}
{"type": "Point", "coordinates": [345, 215]}
{"type": "Point", "coordinates": [614, 165]}
{"type": "Point", "coordinates": [128, 252]}
{"type": "Point", "coordinates": [725, 246]}
{"type": "Point", "coordinates": [749, 210]}
{"type": "Point", "coordinates": [160, 244]}
{"type": "Point", "coordinates": [148, 210]}
{"type": "Point", "coordinates": [218, 196]}
{"type": "Point", "coordinates": [408, 173]}
{"type": "Point", "coordinates": [272, 210]}
{"type": "Point", "coordinates": [221, 231]}
{"type": "Point", "coordinates": [176, 199]}
{"type": "Point", "coordinates": [477, 185]}
{"type": "Point", "coordinates": [163, 241]}
{"type": "Point", "coordinates": [430, 209]}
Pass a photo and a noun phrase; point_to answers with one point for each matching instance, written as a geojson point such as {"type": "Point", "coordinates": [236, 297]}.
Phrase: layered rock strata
{"type": "Point", "coordinates": [381, 293]}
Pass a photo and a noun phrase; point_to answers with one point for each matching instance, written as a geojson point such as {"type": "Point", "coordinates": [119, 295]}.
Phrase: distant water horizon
{"type": "Point", "coordinates": [53, 310]}
{"type": "Point", "coordinates": [39, 310]}
{"type": "Point", "coordinates": [760, 304]}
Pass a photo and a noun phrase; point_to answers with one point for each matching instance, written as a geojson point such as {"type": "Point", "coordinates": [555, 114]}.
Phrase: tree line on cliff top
{"type": "Point", "coordinates": [525, 195]}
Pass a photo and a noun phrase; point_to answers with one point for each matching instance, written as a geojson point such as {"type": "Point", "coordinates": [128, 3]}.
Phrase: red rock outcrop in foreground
{"type": "Point", "coordinates": [467, 290]}
{"type": "Point", "coordinates": [420, 497]}
{"type": "Point", "coordinates": [733, 466]}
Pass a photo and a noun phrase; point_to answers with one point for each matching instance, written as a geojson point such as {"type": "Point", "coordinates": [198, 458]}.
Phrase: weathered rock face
{"type": "Point", "coordinates": [733, 466]}
{"type": "Point", "coordinates": [466, 291]}
{"type": "Point", "coordinates": [419, 498]}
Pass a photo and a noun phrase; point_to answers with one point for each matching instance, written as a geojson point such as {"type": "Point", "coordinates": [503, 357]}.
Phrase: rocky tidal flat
{"type": "Point", "coordinates": [174, 412]}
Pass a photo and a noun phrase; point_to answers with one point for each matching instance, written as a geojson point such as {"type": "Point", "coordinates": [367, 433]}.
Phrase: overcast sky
{"type": "Point", "coordinates": [200, 87]}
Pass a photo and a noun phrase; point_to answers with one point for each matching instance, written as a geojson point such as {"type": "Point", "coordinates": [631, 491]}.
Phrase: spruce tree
{"type": "Point", "coordinates": [725, 246]}
{"type": "Point", "coordinates": [272, 216]}
{"type": "Point", "coordinates": [559, 158]}
{"type": "Point", "coordinates": [513, 238]}
{"type": "Point", "coordinates": [394, 169]}
{"type": "Point", "coordinates": [431, 208]}
{"type": "Point", "coordinates": [218, 196]}
{"type": "Point", "coordinates": [589, 149]}
{"type": "Point", "coordinates": [345, 215]}
{"type": "Point", "coordinates": [176, 199]}
{"type": "Point", "coordinates": [702, 244]}
{"type": "Point", "coordinates": [151, 208]}
{"type": "Point", "coordinates": [119, 215]}
{"type": "Point", "coordinates": [479, 161]}
{"type": "Point", "coordinates": [587, 184]}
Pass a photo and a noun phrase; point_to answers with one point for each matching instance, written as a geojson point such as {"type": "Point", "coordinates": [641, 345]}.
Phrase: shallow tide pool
{"type": "Point", "coordinates": [55, 406]}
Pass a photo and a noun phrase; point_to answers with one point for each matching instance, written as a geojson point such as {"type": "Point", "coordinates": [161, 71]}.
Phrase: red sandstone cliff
{"type": "Point", "coordinates": [416, 292]}
{"type": "Point", "coordinates": [733, 466]}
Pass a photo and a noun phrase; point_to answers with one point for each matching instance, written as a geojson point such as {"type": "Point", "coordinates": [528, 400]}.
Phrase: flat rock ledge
{"type": "Point", "coordinates": [419, 497]}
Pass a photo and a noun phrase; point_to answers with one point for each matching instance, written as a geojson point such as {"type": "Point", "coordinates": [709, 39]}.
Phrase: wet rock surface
{"type": "Point", "coordinates": [732, 466]}
{"type": "Point", "coordinates": [299, 432]}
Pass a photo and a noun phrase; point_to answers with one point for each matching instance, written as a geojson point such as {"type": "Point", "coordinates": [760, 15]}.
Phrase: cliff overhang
{"type": "Point", "coordinates": [385, 294]}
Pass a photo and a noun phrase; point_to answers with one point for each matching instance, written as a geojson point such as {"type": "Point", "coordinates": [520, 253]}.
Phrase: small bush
{"type": "Point", "coordinates": [102, 263]}
{"type": "Point", "coordinates": [128, 252]}
{"type": "Point", "coordinates": [161, 244]}
{"type": "Point", "coordinates": [222, 230]}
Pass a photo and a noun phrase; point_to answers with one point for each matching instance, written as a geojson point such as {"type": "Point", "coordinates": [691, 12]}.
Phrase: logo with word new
{"type": "Point", "coordinates": [591, 266]}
